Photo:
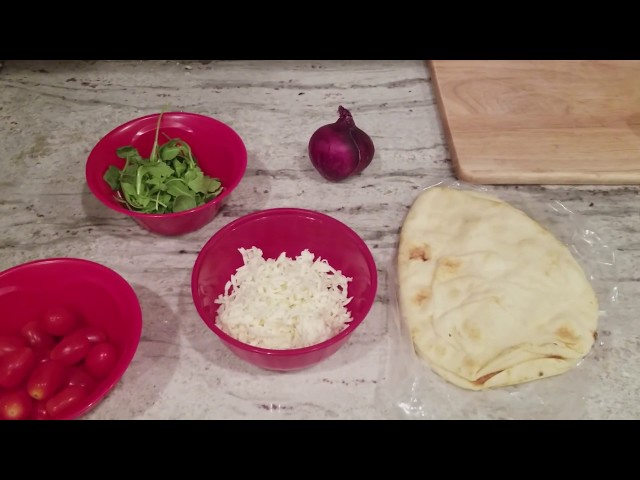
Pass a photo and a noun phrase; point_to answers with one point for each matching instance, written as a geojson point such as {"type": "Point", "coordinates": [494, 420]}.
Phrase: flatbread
{"type": "Point", "coordinates": [491, 298]}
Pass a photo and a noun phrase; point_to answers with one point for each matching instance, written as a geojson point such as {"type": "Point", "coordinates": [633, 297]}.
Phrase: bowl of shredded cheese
{"type": "Point", "coordinates": [284, 288]}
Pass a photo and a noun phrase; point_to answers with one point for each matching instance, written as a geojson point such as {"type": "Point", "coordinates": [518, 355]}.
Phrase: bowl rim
{"type": "Point", "coordinates": [101, 392]}
{"type": "Point", "coordinates": [143, 121]}
{"type": "Point", "coordinates": [351, 326]}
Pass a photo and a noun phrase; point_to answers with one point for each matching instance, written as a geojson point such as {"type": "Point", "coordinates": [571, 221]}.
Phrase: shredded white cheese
{"type": "Point", "coordinates": [284, 303]}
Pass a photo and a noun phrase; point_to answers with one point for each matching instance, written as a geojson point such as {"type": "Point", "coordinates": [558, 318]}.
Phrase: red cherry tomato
{"type": "Point", "coordinates": [39, 411]}
{"type": "Point", "coordinates": [93, 334]}
{"type": "Point", "coordinates": [36, 336]}
{"type": "Point", "coordinates": [79, 377]}
{"type": "Point", "coordinates": [15, 405]}
{"type": "Point", "coordinates": [101, 359]}
{"type": "Point", "coordinates": [16, 366]}
{"type": "Point", "coordinates": [43, 356]}
{"type": "Point", "coordinates": [71, 349]}
{"type": "Point", "coordinates": [10, 343]}
{"type": "Point", "coordinates": [46, 379]}
{"type": "Point", "coordinates": [59, 320]}
{"type": "Point", "coordinates": [65, 400]}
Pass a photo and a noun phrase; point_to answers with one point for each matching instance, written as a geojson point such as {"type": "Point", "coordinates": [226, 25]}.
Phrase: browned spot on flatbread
{"type": "Point", "coordinates": [422, 252]}
{"type": "Point", "coordinates": [483, 379]}
{"type": "Point", "coordinates": [468, 363]}
{"type": "Point", "coordinates": [422, 296]}
{"type": "Point", "coordinates": [540, 374]}
{"type": "Point", "coordinates": [565, 333]}
{"type": "Point", "coordinates": [451, 265]}
{"type": "Point", "coordinates": [471, 331]}
{"type": "Point", "coordinates": [595, 335]}
{"type": "Point", "coordinates": [439, 351]}
{"type": "Point", "coordinates": [559, 357]}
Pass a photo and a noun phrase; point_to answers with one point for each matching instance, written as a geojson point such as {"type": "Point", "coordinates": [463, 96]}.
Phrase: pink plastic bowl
{"type": "Point", "coordinates": [275, 231]}
{"type": "Point", "coordinates": [218, 149]}
{"type": "Point", "coordinates": [98, 294]}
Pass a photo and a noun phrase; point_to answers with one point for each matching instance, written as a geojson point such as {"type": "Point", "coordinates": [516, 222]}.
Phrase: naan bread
{"type": "Point", "coordinates": [490, 297]}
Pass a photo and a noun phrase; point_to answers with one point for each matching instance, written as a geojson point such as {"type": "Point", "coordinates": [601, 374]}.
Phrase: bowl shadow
{"type": "Point", "coordinates": [307, 170]}
{"type": "Point", "coordinates": [98, 214]}
{"type": "Point", "coordinates": [252, 193]}
{"type": "Point", "coordinates": [153, 365]}
{"type": "Point", "coordinates": [362, 341]}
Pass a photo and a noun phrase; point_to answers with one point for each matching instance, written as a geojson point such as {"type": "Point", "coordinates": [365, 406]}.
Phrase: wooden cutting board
{"type": "Point", "coordinates": [544, 122]}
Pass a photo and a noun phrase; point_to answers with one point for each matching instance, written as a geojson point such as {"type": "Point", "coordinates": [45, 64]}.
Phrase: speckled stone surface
{"type": "Point", "coordinates": [51, 115]}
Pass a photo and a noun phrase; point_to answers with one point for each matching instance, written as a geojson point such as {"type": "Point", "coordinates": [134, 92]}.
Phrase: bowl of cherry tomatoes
{"type": "Point", "coordinates": [69, 328]}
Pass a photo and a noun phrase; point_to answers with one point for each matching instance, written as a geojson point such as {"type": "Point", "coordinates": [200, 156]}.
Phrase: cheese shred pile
{"type": "Point", "coordinates": [284, 303]}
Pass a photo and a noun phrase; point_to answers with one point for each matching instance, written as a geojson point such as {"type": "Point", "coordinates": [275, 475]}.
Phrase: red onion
{"type": "Point", "coordinates": [339, 150]}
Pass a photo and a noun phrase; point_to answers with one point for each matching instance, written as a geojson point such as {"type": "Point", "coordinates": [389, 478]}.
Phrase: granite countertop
{"type": "Point", "coordinates": [51, 115]}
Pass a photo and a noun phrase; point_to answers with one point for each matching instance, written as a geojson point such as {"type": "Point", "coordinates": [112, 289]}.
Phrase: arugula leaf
{"type": "Point", "coordinates": [179, 167]}
{"type": "Point", "coordinates": [177, 188]}
{"type": "Point", "coordinates": [130, 196]}
{"type": "Point", "coordinates": [194, 180]}
{"type": "Point", "coordinates": [191, 174]}
{"type": "Point", "coordinates": [128, 152]}
{"type": "Point", "coordinates": [184, 202]}
{"type": "Point", "coordinates": [169, 152]}
{"type": "Point", "coordinates": [202, 184]}
{"type": "Point", "coordinates": [159, 171]}
{"type": "Point", "coordinates": [170, 180]}
{"type": "Point", "coordinates": [112, 177]}
{"type": "Point", "coordinates": [212, 185]}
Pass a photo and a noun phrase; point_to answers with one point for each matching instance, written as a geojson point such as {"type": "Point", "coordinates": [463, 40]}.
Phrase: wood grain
{"type": "Point", "coordinates": [541, 122]}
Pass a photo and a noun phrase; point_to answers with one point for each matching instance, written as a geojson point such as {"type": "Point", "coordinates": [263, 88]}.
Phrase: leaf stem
{"type": "Point", "coordinates": [154, 150]}
{"type": "Point", "coordinates": [139, 180]}
{"type": "Point", "coordinates": [126, 164]}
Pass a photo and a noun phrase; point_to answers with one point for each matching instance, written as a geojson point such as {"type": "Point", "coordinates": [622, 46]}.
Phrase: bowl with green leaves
{"type": "Point", "coordinates": [171, 172]}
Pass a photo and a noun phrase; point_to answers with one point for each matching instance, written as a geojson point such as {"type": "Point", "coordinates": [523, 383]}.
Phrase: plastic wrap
{"type": "Point", "coordinates": [412, 390]}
